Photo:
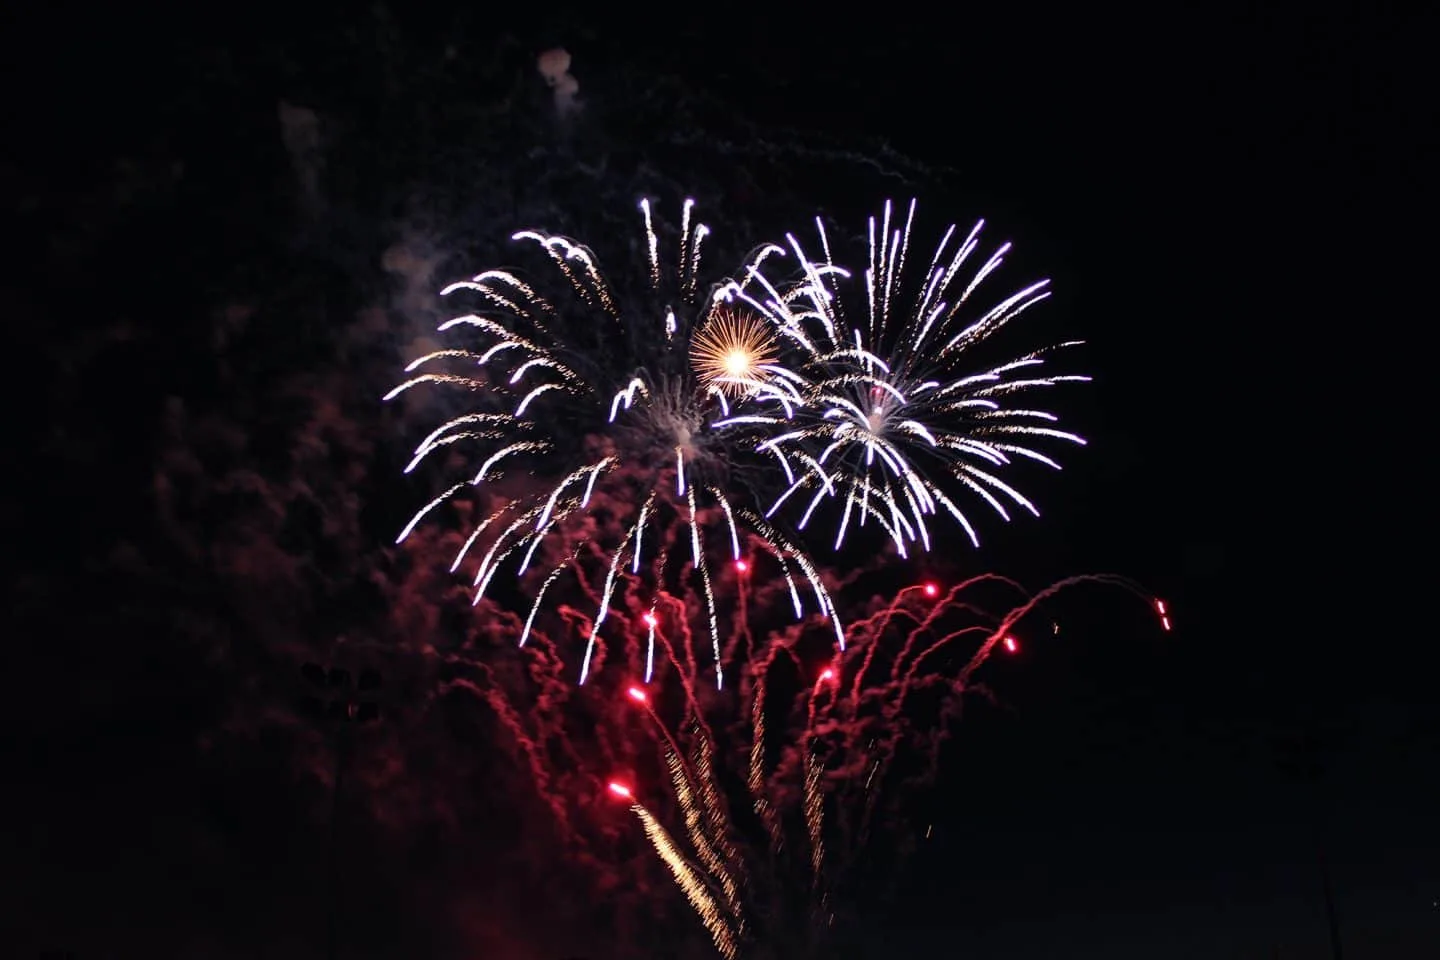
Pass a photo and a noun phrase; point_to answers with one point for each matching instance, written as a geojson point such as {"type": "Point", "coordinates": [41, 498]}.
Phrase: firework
{"type": "Point", "coordinates": [840, 740]}
{"type": "Point", "coordinates": [603, 393]}
{"type": "Point", "coordinates": [900, 414]}
{"type": "Point", "coordinates": [764, 802]}
{"type": "Point", "coordinates": [644, 420]}
{"type": "Point", "coordinates": [734, 351]}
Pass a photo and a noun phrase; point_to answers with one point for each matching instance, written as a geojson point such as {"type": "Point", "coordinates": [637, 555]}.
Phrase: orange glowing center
{"type": "Point", "coordinates": [730, 351]}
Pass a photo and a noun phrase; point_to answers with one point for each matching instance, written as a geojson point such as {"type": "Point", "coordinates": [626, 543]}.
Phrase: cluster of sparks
{"type": "Point", "coordinates": [613, 397]}
{"type": "Point", "coordinates": [632, 416]}
{"type": "Point", "coordinates": [819, 742]}
{"type": "Point", "coordinates": [874, 404]}
{"type": "Point", "coordinates": [762, 805]}
{"type": "Point", "coordinates": [841, 735]}
{"type": "Point", "coordinates": [888, 411]}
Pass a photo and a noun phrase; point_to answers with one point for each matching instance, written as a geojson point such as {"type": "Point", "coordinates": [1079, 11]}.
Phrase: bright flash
{"type": "Point", "coordinates": [731, 350]}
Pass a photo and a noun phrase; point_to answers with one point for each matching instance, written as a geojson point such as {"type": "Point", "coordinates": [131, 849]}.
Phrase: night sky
{"type": "Point", "coordinates": [202, 486]}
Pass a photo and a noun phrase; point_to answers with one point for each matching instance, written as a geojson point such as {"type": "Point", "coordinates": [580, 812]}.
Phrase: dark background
{"type": "Point", "coordinates": [1225, 197]}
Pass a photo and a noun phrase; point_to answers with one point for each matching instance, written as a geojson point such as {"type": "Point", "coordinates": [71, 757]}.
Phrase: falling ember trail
{"type": "Point", "coordinates": [686, 879]}
{"type": "Point", "coordinates": [825, 786]}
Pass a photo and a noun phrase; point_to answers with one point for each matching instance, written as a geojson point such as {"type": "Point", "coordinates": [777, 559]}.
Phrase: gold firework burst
{"type": "Point", "coordinates": [731, 350]}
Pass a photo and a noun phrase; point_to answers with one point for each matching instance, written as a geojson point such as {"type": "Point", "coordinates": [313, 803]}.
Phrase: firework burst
{"type": "Point", "coordinates": [899, 411]}
{"type": "Point", "coordinates": [734, 351]}
{"type": "Point", "coordinates": [604, 395]}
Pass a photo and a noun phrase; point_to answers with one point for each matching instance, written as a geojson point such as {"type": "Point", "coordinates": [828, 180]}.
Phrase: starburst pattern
{"type": "Point", "coordinates": [589, 388]}
{"type": "Point", "coordinates": [734, 352]}
{"type": "Point", "coordinates": [899, 411]}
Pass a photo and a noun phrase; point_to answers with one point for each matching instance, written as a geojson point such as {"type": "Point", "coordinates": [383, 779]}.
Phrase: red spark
{"type": "Point", "coordinates": [931, 589]}
{"type": "Point", "coordinates": [741, 566]}
{"type": "Point", "coordinates": [1010, 645]}
{"type": "Point", "coordinates": [636, 694]}
{"type": "Point", "coordinates": [620, 790]}
{"type": "Point", "coordinates": [1165, 623]}
{"type": "Point", "coordinates": [1160, 606]}
{"type": "Point", "coordinates": [649, 619]}
{"type": "Point", "coordinates": [827, 674]}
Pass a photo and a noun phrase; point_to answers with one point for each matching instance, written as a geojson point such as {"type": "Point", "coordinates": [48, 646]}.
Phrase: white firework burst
{"type": "Point", "coordinates": [596, 388]}
{"type": "Point", "coordinates": [898, 414]}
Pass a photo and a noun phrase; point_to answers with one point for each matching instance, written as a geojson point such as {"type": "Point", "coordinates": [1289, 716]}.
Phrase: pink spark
{"type": "Point", "coordinates": [636, 694]}
{"type": "Point", "coordinates": [1160, 606]}
{"type": "Point", "coordinates": [827, 674]}
{"type": "Point", "coordinates": [1010, 645]}
{"type": "Point", "coordinates": [620, 790]}
{"type": "Point", "coordinates": [741, 565]}
{"type": "Point", "coordinates": [931, 589]}
{"type": "Point", "coordinates": [649, 619]}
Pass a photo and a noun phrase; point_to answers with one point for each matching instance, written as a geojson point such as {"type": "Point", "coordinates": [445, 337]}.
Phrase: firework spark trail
{"type": "Point", "coordinates": [922, 627]}
{"type": "Point", "coordinates": [698, 772]}
{"type": "Point", "coordinates": [923, 642]}
{"type": "Point", "coordinates": [894, 403]}
{"type": "Point", "coordinates": [755, 779]}
{"type": "Point", "coordinates": [715, 822]}
{"type": "Point", "coordinates": [533, 751]}
{"type": "Point", "coordinates": [686, 669]}
{"type": "Point", "coordinates": [689, 883]}
{"type": "Point", "coordinates": [815, 818]}
{"type": "Point", "coordinates": [741, 636]}
{"type": "Point", "coordinates": [696, 793]}
{"type": "Point", "coordinates": [831, 778]}
{"type": "Point", "coordinates": [838, 743]}
{"type": "Point", "coordinates": [1017, 613]}
{"type": "Point", "coordinates": [586, 382]}
{"type": "Point", "coordinates": [709, 592]}
{"type": "Point", "coordinates": [683, 790]}
{"type": "Point", "coordinates": [538, 729]}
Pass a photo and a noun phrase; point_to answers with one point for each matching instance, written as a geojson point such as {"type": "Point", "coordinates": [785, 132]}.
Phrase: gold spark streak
{"type": "Point", "coordinates": [756, 781]}
{"type": "Point", "coordinates": [695, 827]}
{"type": "Point", "coordinates": [689, 883]}
{"type": "Point", "coordinates": [815, 816]}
